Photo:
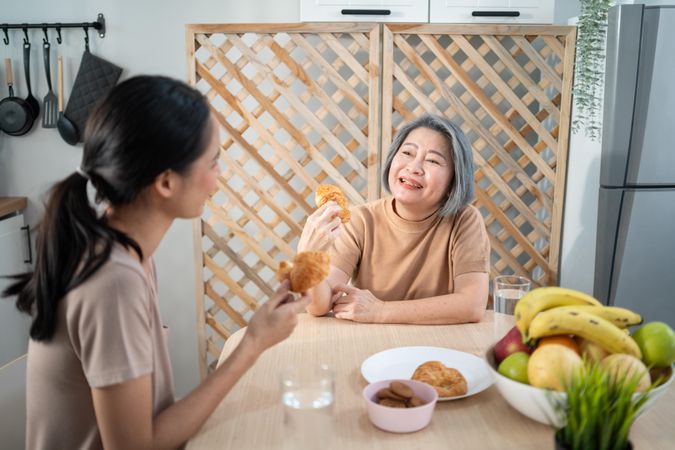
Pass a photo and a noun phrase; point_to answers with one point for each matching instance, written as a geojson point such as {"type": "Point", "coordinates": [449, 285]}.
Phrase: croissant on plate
{"type": "Point", "coordinates": [306, 270]}
{"type": "Point", "coordinates": [447, 381]}
{"type": "Point", "coordinates": [328, 192]}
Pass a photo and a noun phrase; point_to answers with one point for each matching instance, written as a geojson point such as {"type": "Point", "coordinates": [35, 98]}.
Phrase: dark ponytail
{"type": "Point", "coordinates": [145, 126]}
{"type": "Point", "coordinates": [70, 234]}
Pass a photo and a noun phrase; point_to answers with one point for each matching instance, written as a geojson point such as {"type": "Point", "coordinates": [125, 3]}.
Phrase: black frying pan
{"type": "Point", "coordinates": [16, 116]}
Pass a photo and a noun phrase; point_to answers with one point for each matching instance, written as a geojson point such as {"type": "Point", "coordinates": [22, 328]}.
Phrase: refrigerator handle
{"type": "Point", "coordinates": [621, 69]}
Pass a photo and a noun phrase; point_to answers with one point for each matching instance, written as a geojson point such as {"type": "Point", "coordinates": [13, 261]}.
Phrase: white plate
{"type": "Point", "coordinates": [401, 362]}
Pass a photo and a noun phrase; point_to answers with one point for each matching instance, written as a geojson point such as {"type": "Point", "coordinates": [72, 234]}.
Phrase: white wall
{"type": "Point", "coordinates": [577, 265]}
{"type": "Point", "coordinates": [577, 253]}
{"type": "Point", "coordinates": [147, 36]}
{"type": "Point", "coordinates": [143, 36]}
{"type": "Point", "coordinates": [564, 9]}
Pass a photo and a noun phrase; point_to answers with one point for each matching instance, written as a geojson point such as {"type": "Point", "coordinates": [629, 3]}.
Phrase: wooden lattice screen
{"type": "Point", "coordinates": [299, 105]}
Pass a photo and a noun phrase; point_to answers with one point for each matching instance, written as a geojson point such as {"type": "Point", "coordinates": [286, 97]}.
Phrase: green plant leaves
{"type": "Point", "coordinates": [590, 65]}
{"type": "Point", "coordinates": [600, 409]}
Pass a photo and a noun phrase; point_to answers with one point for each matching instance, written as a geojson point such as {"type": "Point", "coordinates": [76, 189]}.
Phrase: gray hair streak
{"type": "Point", "coordinates": [461, 189]}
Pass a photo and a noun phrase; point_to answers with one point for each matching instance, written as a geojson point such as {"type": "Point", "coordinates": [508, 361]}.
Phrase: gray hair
{"type": "Point", "coordinates": [461, 189]}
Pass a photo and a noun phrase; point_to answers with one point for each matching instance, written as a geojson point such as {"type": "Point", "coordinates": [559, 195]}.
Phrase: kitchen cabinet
{"type": "Point", "coordinates": [14, 259]}
{"type": "Point", "coordinates": [491, 11]}
{"type": "Point", "coordinates": [364, 10]}
{"type": "Point", "coordinates": [433, 11]}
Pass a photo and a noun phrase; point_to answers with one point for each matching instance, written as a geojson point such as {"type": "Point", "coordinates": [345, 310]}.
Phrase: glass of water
{"type": "Point", "coordinates": [307, 397]}
{"type": "Point", "coordinates": [507, 290]}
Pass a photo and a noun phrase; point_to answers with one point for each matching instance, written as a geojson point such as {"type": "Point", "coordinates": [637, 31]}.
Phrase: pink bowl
{"type": "Point", "coordinates": [400, 420]}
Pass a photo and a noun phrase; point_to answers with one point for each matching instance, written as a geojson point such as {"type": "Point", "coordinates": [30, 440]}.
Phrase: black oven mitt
{"type": "Point", "coordinates": [95, 78]}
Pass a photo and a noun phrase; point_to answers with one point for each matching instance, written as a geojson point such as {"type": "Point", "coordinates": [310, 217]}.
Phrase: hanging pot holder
{"type": "Point", "coordinates": [95, 78]}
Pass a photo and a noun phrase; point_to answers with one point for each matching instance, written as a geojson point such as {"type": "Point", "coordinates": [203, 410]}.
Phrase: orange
{"type": "Point", "coordinates": [562, 339]}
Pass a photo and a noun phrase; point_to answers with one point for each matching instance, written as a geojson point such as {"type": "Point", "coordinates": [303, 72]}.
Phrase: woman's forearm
{"type": "Point", "coordinates": [180, 421]}
{"type": "Point", "coordinates": [321, 296]}
{"type": "Point", "coordinates": [124, 410]}
{"type": "Point", "coordinates": [443, 309]}
{"type": "Point", "coordinates": [466, 304]}
{"type": "Point", "coordinates": [273, 322]}
{"type": "Point", "coordinates": [322, 293]}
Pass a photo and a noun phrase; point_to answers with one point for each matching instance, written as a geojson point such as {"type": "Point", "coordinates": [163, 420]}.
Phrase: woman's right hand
{"type": "Point", "coordinates": [275, 320]}
{"type": "Point", "coordinates": [323, 226]}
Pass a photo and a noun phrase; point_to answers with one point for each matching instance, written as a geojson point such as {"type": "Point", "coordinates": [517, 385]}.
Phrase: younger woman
{"type": "Point", "coordinates": [98, 366]}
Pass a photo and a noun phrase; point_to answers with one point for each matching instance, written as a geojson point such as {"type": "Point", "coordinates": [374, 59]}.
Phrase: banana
{"type": "Point", "coordinates": [621, 317]}
{"type": "Point", "coordinates": [544, 298]}
{"type": "Point", "coordinates": [573, 320]}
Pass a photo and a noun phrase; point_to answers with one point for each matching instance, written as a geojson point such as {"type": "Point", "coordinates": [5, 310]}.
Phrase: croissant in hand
{"type": "Point", "coordinates": [306, 270]}
{"type": "Point", "coordinates": [328, 192]}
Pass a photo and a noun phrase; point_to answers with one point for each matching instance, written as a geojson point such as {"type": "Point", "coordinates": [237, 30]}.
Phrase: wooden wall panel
{"type": "Point", "coordinates": [300, 105]}
{"type": "Point", "coordinates": [296, 106]}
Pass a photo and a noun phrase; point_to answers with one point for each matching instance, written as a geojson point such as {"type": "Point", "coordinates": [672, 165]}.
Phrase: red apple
{"type": "Point", "coordinates": [511, 342]}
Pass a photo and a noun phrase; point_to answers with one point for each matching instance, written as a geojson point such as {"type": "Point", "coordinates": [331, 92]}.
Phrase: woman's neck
{"type": "Point", "coordinates": [144, 225]}
{"type": "Point", "coordinates": [412, 214]}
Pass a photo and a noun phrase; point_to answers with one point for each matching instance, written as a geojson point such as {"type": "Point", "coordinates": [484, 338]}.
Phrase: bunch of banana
{"type": "Point", "coordinates": [544, 298]}
{"type": "Point", "coordinates": [585, 323]}
{"type": "Point", "coordinates": [550, 311]}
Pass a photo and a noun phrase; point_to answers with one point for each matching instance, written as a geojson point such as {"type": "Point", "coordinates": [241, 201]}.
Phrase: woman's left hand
{"type": "Point", "coordinates": [359, 305]}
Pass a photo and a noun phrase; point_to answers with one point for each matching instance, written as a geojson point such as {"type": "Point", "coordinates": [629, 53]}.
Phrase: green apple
{"type": "Point", "coordinates": [657, 343]}
{"type": "Point", "coordinates": [514, 366]}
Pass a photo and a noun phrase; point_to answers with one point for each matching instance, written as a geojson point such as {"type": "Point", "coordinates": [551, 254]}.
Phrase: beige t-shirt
{"type": "Point", "coordinates": [397, 259]}
{"type": "Point", "coordinates": [108, 331]}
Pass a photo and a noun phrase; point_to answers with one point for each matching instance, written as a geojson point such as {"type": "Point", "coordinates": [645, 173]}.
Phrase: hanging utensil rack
{"type": "Point", "coordinates": [98, 25]}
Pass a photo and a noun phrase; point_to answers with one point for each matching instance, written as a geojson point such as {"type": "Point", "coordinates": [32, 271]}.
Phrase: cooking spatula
{"type": "Point", "coordinates": [50, 108]}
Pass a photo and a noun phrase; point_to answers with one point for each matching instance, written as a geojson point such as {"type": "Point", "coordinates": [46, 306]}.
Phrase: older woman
{"type": "Point", "coordinates": [419, 256]}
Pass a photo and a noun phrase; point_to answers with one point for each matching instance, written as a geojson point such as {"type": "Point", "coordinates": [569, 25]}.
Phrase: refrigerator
{"type": "Point", "coordinates": [635, 253]}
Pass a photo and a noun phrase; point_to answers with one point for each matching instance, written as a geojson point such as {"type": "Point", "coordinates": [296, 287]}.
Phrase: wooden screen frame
{"type": "Point", "coordinates": [380, 107]}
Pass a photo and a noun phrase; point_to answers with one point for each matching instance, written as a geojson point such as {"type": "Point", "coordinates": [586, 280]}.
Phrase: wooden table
{"type": "Point", "coordinates": [250, 417]}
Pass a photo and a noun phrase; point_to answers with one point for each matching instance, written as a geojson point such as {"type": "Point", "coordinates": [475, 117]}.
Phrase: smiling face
{"type": "Point", "coordinates": [421, 173]}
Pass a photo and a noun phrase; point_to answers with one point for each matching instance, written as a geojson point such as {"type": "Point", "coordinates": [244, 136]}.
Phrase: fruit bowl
{"type": "Point", "coordinates": [536, 403]}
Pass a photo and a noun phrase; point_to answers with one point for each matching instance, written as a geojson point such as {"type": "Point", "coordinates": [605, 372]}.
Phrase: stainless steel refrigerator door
{"type": "Point", "coordinates": [621, 71]}
{"type": "Point", "coordinates": [609, 211]}
{"type": "Point", "coordinates": [642, 274]}
{"type": "Point", "coordinates": [651, 158]}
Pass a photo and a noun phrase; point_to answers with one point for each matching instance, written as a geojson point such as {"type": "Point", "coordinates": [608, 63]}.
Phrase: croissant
{"type": "Point", "coordinates": [328, 192]}
{"type": "Point", "coordinates": [306, 270]}
{"type": "Point", "coordinates": [447, 381]}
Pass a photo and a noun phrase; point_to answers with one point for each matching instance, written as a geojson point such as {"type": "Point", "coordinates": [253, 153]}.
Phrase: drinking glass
{"type": "Point", "coordinates": [507, 290]}
{"type": "Point", "coordinates": [307, 396]}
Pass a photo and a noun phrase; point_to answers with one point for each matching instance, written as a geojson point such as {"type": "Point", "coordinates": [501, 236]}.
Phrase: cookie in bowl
{"type": "Point", "coordinates": [400, 406]}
